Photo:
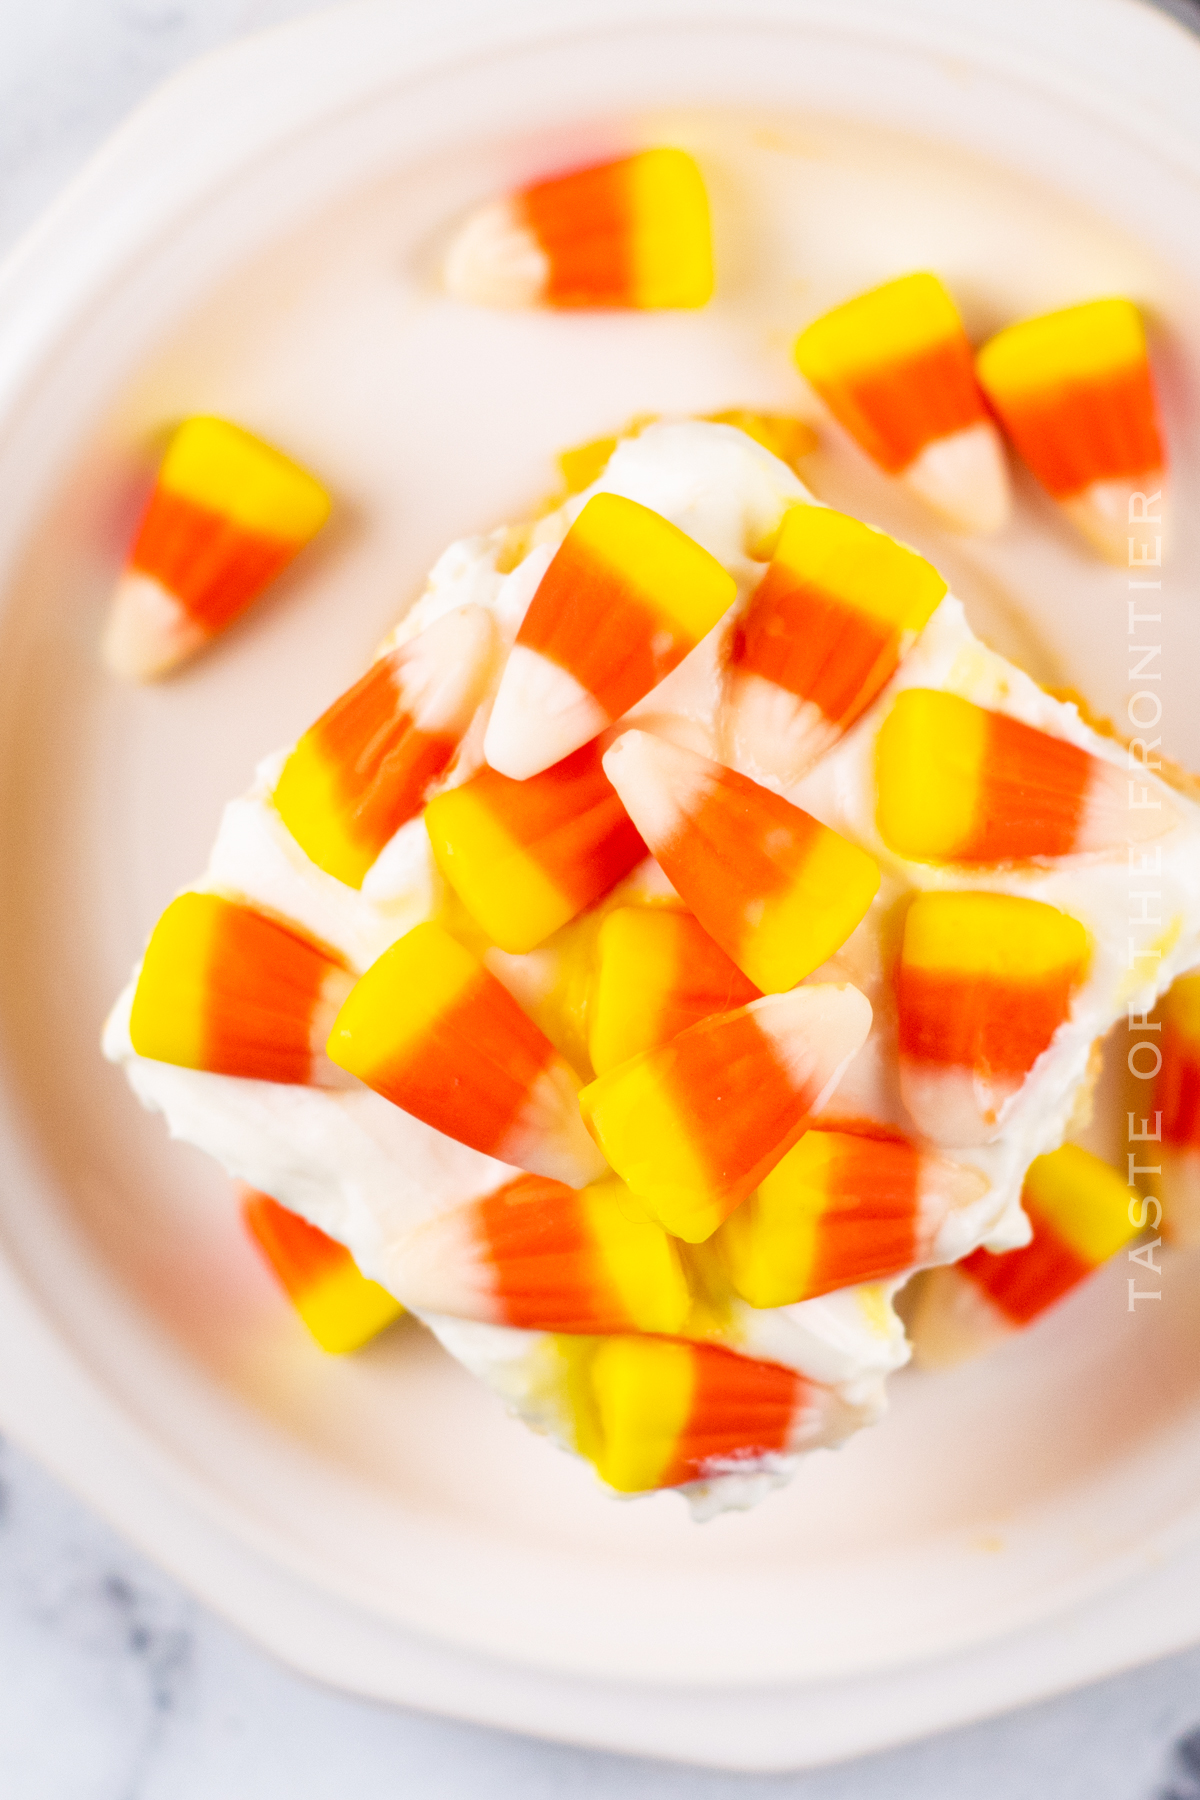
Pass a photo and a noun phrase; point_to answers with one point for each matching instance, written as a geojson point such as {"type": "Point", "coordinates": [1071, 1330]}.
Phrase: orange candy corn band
{"type": "Point", "coordinates": [524, 857]}
{"type": "Point", "coordinates": [1074, 392]}
{"type": "Point", "coordinates": [1177, 1099]}
{"type": "Point", "coordinates": [959, 783]}
{"type": "Point", "coordinates": [226, 988]}
{"type": "Point", "coordinates": [545, 1257]}
{"type": "Point", "coordinates": [777, 890]}
{"type": "Point", "coordinates": [364, 769]}
{"type": "Point", "coordinates": [431, 1030]}
{"type": "Point", "coordinates": [670, 1413]}
{"type": "Point", "coordinates": [624, 600]}
{"type": "Point", "coordinates": [1177, 1089]}
{"type": "Point", "coordinates": [341, 1308]}
{"type": "Point", "coordinates": [210, 565]}
{"type": "Point", "coordinates": [657, 971]}
{"type": "Point", "coordinates": [694, 1126]}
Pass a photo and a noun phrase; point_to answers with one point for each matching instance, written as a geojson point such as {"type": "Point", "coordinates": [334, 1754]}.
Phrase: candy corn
{"type": "Point", "coordinates": [626, 597]}
{"type": "Point", "coordinates": [526, 856]}
{"type": "Point", "coordinates": [1074, 392]}
{"type": "Point", "coordinates": [657, 1414]}
{"type": "Point", "coordinates": [226, 988]}
{"type": "Point", "coordinates": [894, 368]}
{"type": "Point", "coordinates": [983, 983]}
{"type": "Point", "coordinates": [957, 783]}
{"type": "Point", "coordinates": [431, 1030]}
{"type": "Point", "coordinates": [694, 1126]}
{"type": "Point", "coordinates": [364, 768]}
{"type": "Point", "coordinates": [227, 514]}
{"type": "Point", "coordinates": [1079, 1208]}
{"type": "Point", "coordinates": [777, 890]}
{"type": "Point", "coordinates": [657, 971]}
{"type": "Point", "coordinates": [839, 1210]}
{"type": "Point", "coordinates": [634, 233]}
{"type": "Point", "coordinates": [836, 610]}
{"type": "Point", "coordinates": [341, 1308]}
{"type": "Point", "coordinates": [545, 1257]}
{"type": "Point", "coordinates": [1177, 1097]}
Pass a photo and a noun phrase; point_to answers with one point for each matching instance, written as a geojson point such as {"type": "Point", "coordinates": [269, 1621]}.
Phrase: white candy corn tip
{"type": "Point", "coordinates": [1102, 513]}
{"type": "Point", "coordinates": [955, 1107]}
{"type": "Point", "coordinates": [945, 1190]}
{"type": "Point", "coordinates": [148, 631]}
{"type": "Point", "coordinates": [815, 1031]}
{"type": "Point", "coordinates": [540, 714]}
{"type": "Point", "coordinates": [438, 1267]}
{"type": "Point", "coordinates": [495, 260]}
{"type": "Point", "coordinates": [659, 783]}
{"type": "Point", "coordinates": [953, 1320]}
{"type": "Point", "coordinates": [548, 1136]}
{"type": "Point", "coordinates": [823, 1419]}
{"type": "Point", "coordinates": [1117, 810]}
{"type": "Point", "coordinates": [964, 478]}
{"type": "Point", "coordinates": [771, 733]}
{"type": "Point", "coordinates": [1181, 1195]}
{"type": "Point", "coordinates": [443, 672]}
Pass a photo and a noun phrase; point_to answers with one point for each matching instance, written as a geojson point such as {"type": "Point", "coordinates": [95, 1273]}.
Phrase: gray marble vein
{"type": "Point", "coordinates": [115, 1685]}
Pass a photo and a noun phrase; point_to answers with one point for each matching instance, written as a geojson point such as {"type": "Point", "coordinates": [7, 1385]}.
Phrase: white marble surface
{"type": "Point", "coordinates": [115, 1684]}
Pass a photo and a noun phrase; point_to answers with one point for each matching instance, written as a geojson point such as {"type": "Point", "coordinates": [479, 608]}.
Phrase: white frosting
{"type": "Point", "coordinates": [364, 1171]}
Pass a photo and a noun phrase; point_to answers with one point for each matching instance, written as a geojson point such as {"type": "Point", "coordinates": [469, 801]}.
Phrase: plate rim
{"type": "Point", "coordinates": [435, 40]}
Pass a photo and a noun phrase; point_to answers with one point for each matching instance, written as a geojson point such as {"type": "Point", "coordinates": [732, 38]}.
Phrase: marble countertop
{"type": "Point", "coordinates": [114, 1683]}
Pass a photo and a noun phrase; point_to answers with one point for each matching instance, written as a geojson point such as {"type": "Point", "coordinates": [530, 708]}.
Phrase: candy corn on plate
{"type": "Point", "coordinates": [600, 726]}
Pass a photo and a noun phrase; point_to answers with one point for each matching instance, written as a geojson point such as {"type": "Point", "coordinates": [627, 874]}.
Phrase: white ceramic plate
{"type": "Point", "coordinates": [260, 240]}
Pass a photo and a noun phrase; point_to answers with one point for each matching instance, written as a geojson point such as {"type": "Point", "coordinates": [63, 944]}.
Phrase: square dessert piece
{"type": "Point", "coordinates": [837, 900]}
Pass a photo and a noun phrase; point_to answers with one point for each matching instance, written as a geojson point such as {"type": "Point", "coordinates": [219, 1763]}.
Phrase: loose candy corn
{"type": "Point", "coordinates": [1080, 1211]}
{"type": "Point", "coordinates": [545, 1257]}
{"type": "Point", "coordinates": [1074, 392]}
{"type": "Point", "coordinates": [227, 514]}
{"type": "Point", "coordinates": [1177, 1097]}
{"type": "Point", "coordinates": [658, 1414]}
{"type": "Point", "coordinates": [836, 610]}
{"type": "Point", "coordinates": [364, 769]}
{"type": "Point", "coordinates": [630, 233]}
{"type": "Point", "coordinates": [839, 1210]}
{"type": "Point", "coordinates": [432, 1031]}
{"type": "Point", "coordinates": [777, 890]}
{"type": "Point", "coordinates": [657, 971]}
{"type": "Point", "coordinates": [625, 598]}
{"type": "Point", "coordinates": [894, 368]}
{"type": "Point", "coordinates": [526, 856]}
{"type": "Point", "coordinates": [226, 988]}
{"type": "Point", "coordinates": [694, 1126]}
{"type": "Point", "coordinates": [958, 783]}
{"type": "Point", "coordinates": [983, 983]}
{"type": "Point", "coordinates": [341, 1308]}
